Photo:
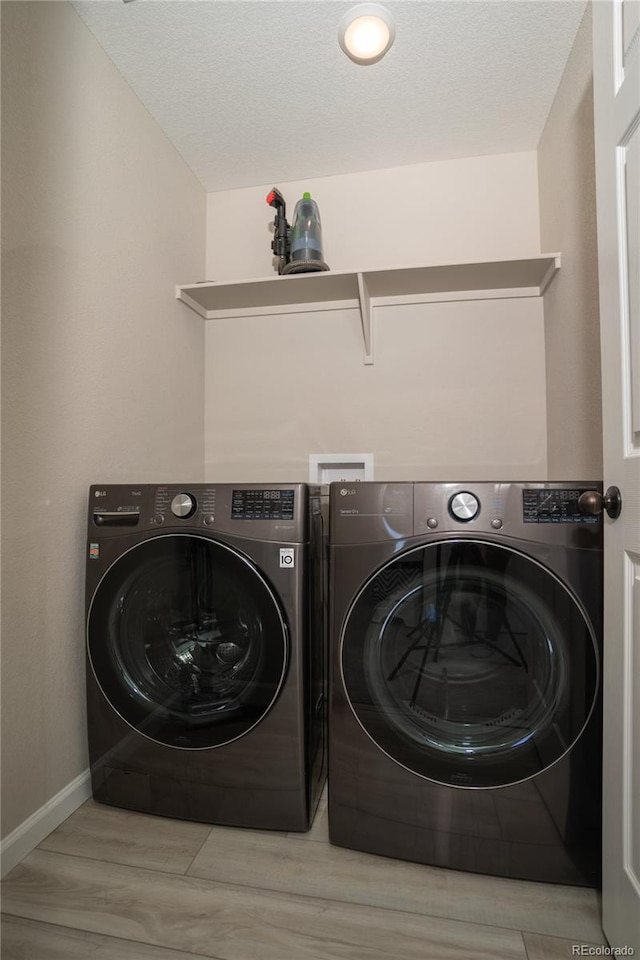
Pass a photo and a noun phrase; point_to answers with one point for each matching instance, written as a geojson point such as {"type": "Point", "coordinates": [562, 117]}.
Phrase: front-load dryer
{"type": "Point", "coordinates": [206, 651]}
{"type": "Point", "coordinates": [465, 693]}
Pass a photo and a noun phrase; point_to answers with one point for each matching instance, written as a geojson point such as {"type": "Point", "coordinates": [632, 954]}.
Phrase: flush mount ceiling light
{"type": "Point", "coordinates": [366, 32]}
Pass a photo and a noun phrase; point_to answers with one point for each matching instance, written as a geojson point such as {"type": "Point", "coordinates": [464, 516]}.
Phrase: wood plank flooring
{"type": "Point", "coordinates": [111, 884]}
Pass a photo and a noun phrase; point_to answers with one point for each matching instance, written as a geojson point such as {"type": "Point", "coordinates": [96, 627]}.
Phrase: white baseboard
{"type": "Point", "coordinates": [32, 831]}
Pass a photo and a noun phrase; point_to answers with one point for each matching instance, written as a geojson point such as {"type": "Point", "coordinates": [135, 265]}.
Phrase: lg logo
{"type": "Point", "coordinates": [347, 491]}
{"type": "Point", "coordinates": [100, 493]}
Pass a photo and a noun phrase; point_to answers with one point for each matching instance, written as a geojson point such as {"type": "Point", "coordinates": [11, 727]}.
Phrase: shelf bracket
{"type": "Point", "coordinates": [365, 318]}
{"type": "Point", "coordinates": [554, 266]}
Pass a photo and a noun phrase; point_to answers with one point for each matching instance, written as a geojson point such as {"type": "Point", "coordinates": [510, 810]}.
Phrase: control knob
{"type": "Point", "coordinates": [464, 506]}
{"type": "Point", "coordinates": [183, 505]}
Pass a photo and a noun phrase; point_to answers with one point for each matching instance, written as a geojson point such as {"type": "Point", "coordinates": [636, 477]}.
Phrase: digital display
{"type": "Point", "coordinates": [262, 504]}
{"type": "Point", "coordinates": [553, 506]}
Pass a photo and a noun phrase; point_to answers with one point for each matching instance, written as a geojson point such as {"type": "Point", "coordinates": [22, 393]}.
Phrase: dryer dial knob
{"type": "Point", "coordinates": [183, 505]}
{"type": "Point", "coordinates": [464, 506]}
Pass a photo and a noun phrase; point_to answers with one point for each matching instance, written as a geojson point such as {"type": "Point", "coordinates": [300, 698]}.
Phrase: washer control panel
{"type": "Point", "coordinates": [260, 504]}
{"type": "Point", "coordinates": [276, 512]}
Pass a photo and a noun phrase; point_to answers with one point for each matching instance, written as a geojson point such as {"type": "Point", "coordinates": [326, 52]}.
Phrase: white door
{"type": "Point", "coordinates": [616, 47]}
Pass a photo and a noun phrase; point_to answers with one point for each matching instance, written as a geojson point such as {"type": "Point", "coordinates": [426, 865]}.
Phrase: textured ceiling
{"type": "Point", "coordinates": [258, 91]}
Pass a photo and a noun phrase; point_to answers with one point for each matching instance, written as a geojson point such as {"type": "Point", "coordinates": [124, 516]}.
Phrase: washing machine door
{"type": "Point", "coordinates": [469, 663]}
{"type": "Point", "coordinates": [187, 641]}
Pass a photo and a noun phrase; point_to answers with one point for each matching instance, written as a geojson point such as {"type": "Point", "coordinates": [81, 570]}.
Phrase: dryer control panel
{"type": "Point", "coordinates": [550, 505]}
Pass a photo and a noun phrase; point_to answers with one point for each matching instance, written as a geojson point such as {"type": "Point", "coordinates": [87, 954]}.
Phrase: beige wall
{"type": "Point", "coordinates": [102, 367]}
{"type": "Point", "coordinates": [568, 223]}
{"type": "Point", "coordinates": [478, 208]}
{"type": "Point", "coordinates": [456, 390]}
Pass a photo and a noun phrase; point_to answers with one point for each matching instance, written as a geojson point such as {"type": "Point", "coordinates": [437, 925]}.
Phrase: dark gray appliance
{"type": "Point", "coordinates": [206, 627]}
{"type": "Point", "coordinates": [465, 686]}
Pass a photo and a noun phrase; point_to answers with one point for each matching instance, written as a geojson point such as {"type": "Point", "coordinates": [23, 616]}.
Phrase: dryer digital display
{"type": "Point", "coordinates": [553, 506]}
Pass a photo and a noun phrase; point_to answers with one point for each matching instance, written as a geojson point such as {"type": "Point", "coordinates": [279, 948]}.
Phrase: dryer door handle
{"type": "Point", "coordinates": [592, 502]}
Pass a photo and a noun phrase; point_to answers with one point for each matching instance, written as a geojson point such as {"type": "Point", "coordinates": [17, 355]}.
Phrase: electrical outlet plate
{"type": "Point", "coordinates": [327, 467]}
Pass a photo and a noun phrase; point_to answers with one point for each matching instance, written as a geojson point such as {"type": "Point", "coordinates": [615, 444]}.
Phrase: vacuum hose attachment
{"type": "Point", "coordinates": [281, 229]}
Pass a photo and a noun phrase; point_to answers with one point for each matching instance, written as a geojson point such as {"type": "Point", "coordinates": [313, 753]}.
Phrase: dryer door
{"type": "Point", "coordinates": [187, 641]}
{"type": "Point", "coordinates": [469, 663]}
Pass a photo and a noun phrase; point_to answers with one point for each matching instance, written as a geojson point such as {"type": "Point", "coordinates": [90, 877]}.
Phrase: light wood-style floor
{"type": "Point", "coordinates": [110, 884]}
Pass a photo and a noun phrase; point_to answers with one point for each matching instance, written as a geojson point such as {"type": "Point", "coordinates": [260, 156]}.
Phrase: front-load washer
{"type": "Point", "coordinates": [465, 686]}
{"type": "Point", "coordinates": [206, 650]}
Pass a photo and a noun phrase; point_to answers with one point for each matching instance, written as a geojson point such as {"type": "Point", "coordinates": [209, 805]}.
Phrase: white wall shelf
{"type": "Point", "coordinates": [298, 293]}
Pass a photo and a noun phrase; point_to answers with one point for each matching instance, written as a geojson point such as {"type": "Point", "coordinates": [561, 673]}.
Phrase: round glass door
{"type": "Point", "coordinates": [187, 641]}
{"type": "Point", "coordinates": [469, 663]}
